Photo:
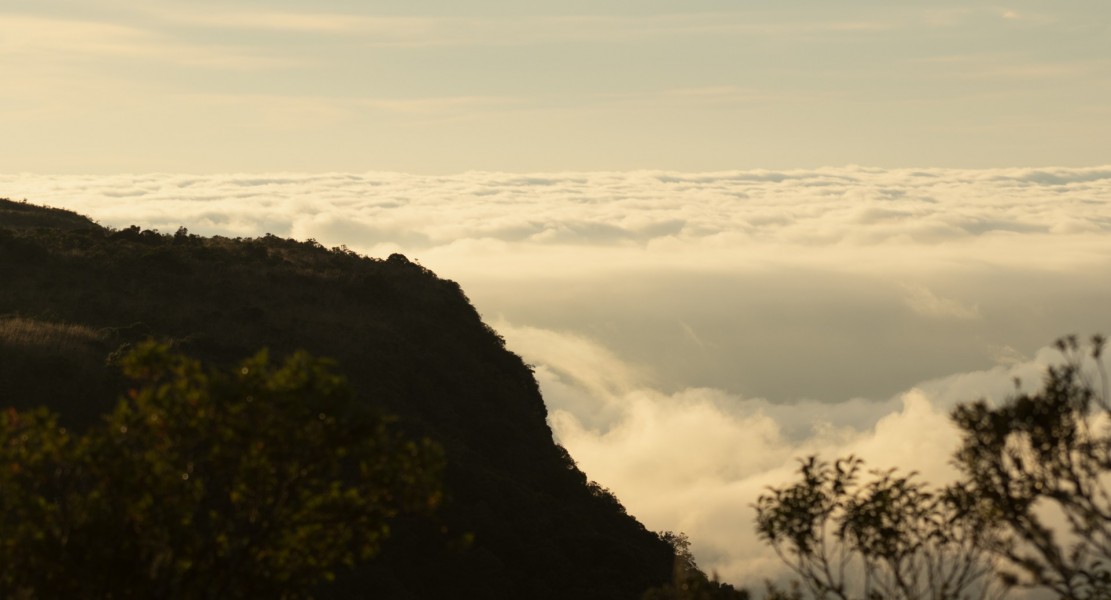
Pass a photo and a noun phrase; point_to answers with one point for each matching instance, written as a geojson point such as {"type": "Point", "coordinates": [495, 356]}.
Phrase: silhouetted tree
{"type": "Point", "coordinates": [689, 582]}
{"type": "Point", "coordinates": [882, 536]}
{"type": "Point", "coordinates": [256, 482]}
{"type": "Point", "coordinates": [1033, 500]}
{"type": "Point", "coordinates": [1045, 457]}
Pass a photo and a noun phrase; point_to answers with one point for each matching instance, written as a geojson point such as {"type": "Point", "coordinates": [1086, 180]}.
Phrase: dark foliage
{"type": "Point", "coordinates": [1045, 457]}
{"type": "Point", "coordinates": [258, 482]}
{"type": "Point", "coordinates": [888, 536]}
{"type": "Point", "coordinates": [1032, 509]}
{"type": "Point", "coordinates": [688, 581]}
{"type": "Point", "coordinates": [22, 215]}
{"type": "Point", "coordinates": [518, 519]}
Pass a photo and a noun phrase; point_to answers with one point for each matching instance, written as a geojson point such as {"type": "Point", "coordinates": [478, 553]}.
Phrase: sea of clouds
{"type": "Point", "coordinates": [695, 333]}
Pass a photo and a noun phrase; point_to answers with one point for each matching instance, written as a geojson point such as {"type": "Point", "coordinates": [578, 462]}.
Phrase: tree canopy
{"type": "Point", "coordinates": [886, 536]}
{"type": "Point", "coordinates": [1042, 459]}
{"type": "Point", "coordinates": [1032, 507]}
{"type": "Point", "coordinates": [688, 581]}
{"type": "Point", "coordinates": [258, 481]}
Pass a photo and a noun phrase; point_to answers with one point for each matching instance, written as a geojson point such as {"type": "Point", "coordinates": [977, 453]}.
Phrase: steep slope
{"type": "Point", "coordinates": [72, 292]}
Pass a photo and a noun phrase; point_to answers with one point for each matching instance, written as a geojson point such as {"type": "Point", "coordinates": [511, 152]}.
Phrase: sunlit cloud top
{"type": "Point", "coordinates": [439, 87]}
{"type": "Point", "coordinates": [873, 279]}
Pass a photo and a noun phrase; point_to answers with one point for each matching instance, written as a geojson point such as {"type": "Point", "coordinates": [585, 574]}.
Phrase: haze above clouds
{"type": "Point", "coordinates": [693, 333]}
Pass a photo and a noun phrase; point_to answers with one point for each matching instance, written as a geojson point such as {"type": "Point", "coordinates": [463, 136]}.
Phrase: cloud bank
{"type": "Point", "coordinates": [696, 460]}
{"type": "Point", "coordinates": [694, 333]}
{"type": "Point", "coordinates": [868, 280]}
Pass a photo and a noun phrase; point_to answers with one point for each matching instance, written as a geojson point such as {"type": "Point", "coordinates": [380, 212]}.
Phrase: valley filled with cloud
{"type": "Point", "coordinates": [695, 333]}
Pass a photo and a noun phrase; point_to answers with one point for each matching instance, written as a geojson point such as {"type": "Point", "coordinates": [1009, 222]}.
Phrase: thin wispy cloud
{"type": "Point", "coordinates": [924, 302]}
{"type": "Point", "coordinates": [305, 22]}
{"type": "Point", "coordinates": [45, 40]}
{"type": "Point", "coordinates": [524, 29]}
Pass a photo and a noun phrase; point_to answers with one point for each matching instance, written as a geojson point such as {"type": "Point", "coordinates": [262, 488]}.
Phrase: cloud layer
{"type": "Point", "coordinates": [867, 280]}
{"type": "Point", "coordinates": [696, 460]}
{"type": "Point", "coordinates": [694, 333]}
{"type": "Point", "coordinates": [851, 206]}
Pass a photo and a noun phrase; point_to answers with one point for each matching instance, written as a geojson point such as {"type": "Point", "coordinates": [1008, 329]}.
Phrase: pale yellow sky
{"type": "Point", "coordinates": [105, 86]}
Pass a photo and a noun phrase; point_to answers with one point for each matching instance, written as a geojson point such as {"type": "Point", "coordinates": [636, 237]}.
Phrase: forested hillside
{"type": "Point", "coordinates": [519, 519]}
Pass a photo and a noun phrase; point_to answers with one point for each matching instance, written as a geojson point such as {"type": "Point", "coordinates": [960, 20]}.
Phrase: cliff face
{"type": "Point", "coordinates": [72, 292]}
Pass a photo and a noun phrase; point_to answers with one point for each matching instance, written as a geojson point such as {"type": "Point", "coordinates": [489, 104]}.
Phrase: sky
{"type": "Point", "coordinates": [727, 234]}
{"type": "Point", "coordinates": [439, 87]}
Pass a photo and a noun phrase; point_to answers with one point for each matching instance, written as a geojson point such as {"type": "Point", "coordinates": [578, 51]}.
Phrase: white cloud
{"type": "Point", "coordinates": [696, 460]}
{"type": "Point", "coordinates": [521, 29]}
{"type": "Point", "coordinates": [850, 207]}
{"type": "Point", "coordinates": [872, 278]}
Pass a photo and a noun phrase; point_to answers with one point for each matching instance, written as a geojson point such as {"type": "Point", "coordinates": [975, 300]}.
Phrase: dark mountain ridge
{"type": "Point", "coordinates": [72, 293]}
